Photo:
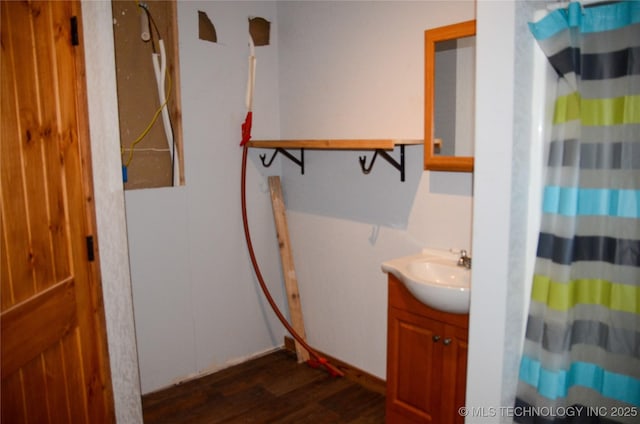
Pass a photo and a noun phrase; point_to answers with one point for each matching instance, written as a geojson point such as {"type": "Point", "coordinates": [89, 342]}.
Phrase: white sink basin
{"type": "Point", "coordinates": [435, 279]}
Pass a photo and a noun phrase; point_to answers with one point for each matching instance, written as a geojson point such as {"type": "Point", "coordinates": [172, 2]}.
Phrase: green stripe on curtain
{"type": "Point", "coordinates": [585, 225]}
{"type": "Point", "coordinates": [615, 111]}
{"type": "Point", "coordinates": [564, 296]}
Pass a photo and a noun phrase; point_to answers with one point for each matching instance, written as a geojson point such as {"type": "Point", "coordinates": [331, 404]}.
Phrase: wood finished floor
{"type": "Point", "coordinates": [271, 389]}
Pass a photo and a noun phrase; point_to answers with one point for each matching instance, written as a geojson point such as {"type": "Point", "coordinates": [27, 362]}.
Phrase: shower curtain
{"type": "Point", "coordinates": [581, 354]}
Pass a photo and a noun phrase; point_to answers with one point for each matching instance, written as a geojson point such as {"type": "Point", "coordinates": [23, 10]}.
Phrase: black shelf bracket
{"type": "Point", "coordinates": [398, 165]}
{"type": "Point", "coordinates": [299, 162]}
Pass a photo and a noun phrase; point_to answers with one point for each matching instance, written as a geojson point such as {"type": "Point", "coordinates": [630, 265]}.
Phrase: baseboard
{"type": "Point", "coordinates": [352, 373]}
{"type": "Point", "coordinates": [210, 371]}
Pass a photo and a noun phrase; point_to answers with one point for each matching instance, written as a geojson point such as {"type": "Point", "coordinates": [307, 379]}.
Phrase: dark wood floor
{"type": "Point", "coordinates": [271, 389]}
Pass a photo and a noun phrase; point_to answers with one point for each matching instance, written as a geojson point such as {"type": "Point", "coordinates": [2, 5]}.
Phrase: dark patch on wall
{"type": "Point", "coordinates": [260, 29]}
{"type": "Point", "coordinates": [206, 30]}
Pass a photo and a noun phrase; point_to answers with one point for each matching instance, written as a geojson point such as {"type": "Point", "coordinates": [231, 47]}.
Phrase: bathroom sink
{"type": "Point", "coordinates": [438, 273]}
{"type": "Point", "coordinates": [435, 279]}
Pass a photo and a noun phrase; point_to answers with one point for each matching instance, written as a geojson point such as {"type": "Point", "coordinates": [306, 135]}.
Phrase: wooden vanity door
{"type": "Point", "coordinates": [414, 386]}
{"type": "Point", "coordinates": [426, 361]}
{"type": "Point", "coordinates": [54, 357]}
{"type": "Point", "coordinates": [454, 367]}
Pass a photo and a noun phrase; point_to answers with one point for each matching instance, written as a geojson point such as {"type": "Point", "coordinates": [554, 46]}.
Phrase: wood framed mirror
{"type": "Point", "coordinates": [449, 112]}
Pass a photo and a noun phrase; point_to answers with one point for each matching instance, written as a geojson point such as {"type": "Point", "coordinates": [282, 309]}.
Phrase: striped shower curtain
{"type": "Point", "coordinates": [581, 355]}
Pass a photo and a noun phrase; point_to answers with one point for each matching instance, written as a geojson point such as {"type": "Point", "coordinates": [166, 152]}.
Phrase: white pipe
{"type": "Point", "coordinates": [251, 79]}
{"type": "Point", "coordinates": [145, 34]}
{"type": "Point", "coordinates": [160, 70]}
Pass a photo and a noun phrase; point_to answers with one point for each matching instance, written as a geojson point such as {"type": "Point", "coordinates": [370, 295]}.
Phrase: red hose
{"type": "Point", "coordinates": [318, 359]}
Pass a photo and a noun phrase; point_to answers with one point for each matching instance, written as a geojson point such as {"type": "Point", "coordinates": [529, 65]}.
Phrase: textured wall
{"type": "Point", "coordinates": [109, 199]}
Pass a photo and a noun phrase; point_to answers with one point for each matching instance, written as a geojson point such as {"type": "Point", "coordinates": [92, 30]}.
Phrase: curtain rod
{"type": "Point", "coordinates": [583, 3]}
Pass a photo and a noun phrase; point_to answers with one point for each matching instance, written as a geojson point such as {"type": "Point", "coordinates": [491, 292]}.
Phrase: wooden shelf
{"type": "Point", "coordinates": [365, 144]}
{"type": "Point", "coordinates": [378, 146]}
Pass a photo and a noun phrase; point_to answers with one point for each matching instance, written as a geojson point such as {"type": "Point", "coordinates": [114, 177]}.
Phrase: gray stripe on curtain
{"type": "Point", "coordinates": [617, 274]}
{"type": "Point", "coordinates": [594, 178]}
{"type": "Point", "coordinates": [609, 155]}
{"type": "Point", "coordinates": [595, 49]}
{"type": "Point", "coordinates": [596, 134]}
{"type": "Point", "coordinates": [589, 225]}
{"type": "Point", "coordinates": [615, 88]}
{"type": "Point", "coordinates": [561, 337]}
{"type": "Point", "coordinates": [596, 66]}
{"type": "Point", "coordinates": [593, 43]}
{"type": "Point", "coordinates": [589, 248]}
{"type": "Point", "coordinates": [623, 320]}
{"type": "Point", "coordinates": [576, 398]}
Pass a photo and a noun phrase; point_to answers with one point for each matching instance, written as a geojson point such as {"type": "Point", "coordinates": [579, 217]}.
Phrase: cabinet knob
{"type": "Point", "coordinates": [436, 338]}
{"type": "Point", "coordinates": [446, 341]}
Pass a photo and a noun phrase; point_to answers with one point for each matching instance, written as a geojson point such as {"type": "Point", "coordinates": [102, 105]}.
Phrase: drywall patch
{"type": "Point", "coordinates": [206, 30]}
{"type": "Point", "coordinates": [259, 29]}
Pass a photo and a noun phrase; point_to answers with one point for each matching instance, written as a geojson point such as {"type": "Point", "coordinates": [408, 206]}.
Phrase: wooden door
{"type": "Point", "coordinates": [54, 357]}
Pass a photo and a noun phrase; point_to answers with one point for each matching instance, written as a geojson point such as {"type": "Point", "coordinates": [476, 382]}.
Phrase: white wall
{"type": "Point", "coordinates": [356, 70]}
{"type": "Point", "coordinates": [492, 214]}
{"type": "Point", "coordinates": [197, 304]}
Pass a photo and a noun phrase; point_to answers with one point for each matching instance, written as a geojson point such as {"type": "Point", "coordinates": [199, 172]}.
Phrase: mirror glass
{"type": "Point", "coordinates": [450, 97]}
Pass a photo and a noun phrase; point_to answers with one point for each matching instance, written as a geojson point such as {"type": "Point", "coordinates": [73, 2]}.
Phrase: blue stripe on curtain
{"type": "Point", "coordinates": [573, 201]}
{"type": "Point", "coordinates": [589, 20]}
{"type": "Point", "coordinates": [555, 384]}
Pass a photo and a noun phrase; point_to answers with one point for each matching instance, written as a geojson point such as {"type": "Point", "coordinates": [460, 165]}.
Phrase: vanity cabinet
{"type": "Point", "coordinates": [426, 360]}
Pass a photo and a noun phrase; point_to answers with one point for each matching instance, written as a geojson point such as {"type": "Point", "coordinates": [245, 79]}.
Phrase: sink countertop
{"type": "Point", "coordinates": [445, 257]}
{"type": "Point", "coordinates": [447, 294]}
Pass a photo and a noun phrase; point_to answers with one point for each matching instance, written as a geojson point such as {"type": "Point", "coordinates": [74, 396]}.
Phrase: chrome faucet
{"type": "Point", "coordinates": [464, 259]}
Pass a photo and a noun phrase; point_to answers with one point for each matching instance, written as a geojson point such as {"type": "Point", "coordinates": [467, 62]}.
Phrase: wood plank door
{"type": "Point", "coordinates": [54, 356]}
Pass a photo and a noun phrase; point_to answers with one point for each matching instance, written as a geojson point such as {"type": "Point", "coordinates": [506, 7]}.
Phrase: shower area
{"type": "Point", "coordinates": [580, 353]}
{"type": "Point", "coordinates": [525, 142]}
